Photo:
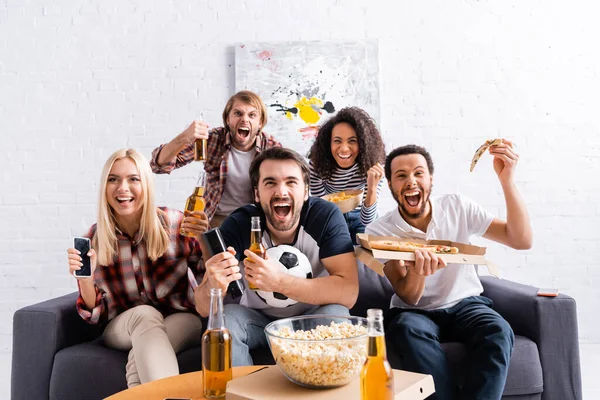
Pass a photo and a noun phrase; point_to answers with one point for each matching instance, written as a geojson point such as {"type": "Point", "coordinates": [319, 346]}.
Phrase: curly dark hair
{"type": "Point", "coordinates": [406, 150]}
{"type": "Point", "coordinates": [371, 147]}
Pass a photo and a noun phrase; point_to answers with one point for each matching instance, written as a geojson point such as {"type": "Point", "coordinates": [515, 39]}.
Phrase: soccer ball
{"type": "Point", "coordinates": [294, 262]}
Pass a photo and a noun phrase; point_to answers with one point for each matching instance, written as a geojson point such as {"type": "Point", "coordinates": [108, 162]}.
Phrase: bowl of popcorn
{"type": "Point", "coordinates": [319, 351]}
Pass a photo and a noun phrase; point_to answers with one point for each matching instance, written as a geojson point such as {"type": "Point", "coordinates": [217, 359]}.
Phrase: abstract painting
{"type": "Point", "coordinates": [303, 83]}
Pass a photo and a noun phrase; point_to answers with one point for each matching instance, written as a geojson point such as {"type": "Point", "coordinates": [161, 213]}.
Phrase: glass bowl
{"type": "Point", "coordinates": [319, 351]}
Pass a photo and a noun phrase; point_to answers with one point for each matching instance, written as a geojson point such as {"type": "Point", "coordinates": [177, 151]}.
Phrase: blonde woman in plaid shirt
{"type": "Point", "coordinates": [139, 286]}
{"type": "Point", "coordinates": [231, 149]}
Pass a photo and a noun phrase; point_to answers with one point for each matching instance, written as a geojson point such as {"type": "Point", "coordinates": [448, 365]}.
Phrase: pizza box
{"type": "Point", "coordinates": [348, 204]}
{"type": "Point", "coordinates": [467, 253]}
{"type": "Point", "coordinates": [269, 383]}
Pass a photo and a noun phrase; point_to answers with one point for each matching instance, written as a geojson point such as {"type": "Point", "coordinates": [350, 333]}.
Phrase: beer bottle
{"type": "Point", "coordinates": [196, 201]}
{"type": "Point", "coordinates": [216, 350]}
{"type": "Point", "coordinates": [200, 148]}
{"type": "Point", "coordinates": [256, 245]}
{"type": "Point", "coordinates": [376, 376]}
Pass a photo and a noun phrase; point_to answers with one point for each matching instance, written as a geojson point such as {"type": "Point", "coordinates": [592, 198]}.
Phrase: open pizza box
{"type": "Point", "coordinates": [467, 253]}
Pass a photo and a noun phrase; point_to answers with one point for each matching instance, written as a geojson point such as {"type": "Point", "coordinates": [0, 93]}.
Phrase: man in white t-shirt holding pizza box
{"type": "Point", "coordinates": [435, 302]}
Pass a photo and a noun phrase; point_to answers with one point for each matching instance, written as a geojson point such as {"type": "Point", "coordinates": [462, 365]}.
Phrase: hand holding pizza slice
{"type": "Point", "coordinates": [482, 149]}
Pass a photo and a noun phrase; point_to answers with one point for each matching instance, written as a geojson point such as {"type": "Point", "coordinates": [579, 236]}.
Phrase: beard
{"type": "Point", "coordinates": [272, 219]}
{"type": "Point", "coordinates": [240, 140]}
{"type": "Point", "coordinates": [399, 197]}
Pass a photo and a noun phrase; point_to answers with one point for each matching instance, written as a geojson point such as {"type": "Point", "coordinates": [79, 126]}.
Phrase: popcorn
{"type": "Point", "coordinates": [316, 358]}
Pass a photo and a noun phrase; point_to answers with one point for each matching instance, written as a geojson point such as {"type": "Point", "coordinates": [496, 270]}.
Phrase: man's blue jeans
{"type": "Point", "coordinates": [415, 337]}
{"type": "Point", "coordinates": [247, 328]}
{"type": "Point", "coordinates": [354, 224]}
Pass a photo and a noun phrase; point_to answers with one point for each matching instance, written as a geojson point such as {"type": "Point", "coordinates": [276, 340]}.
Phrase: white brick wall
{"type": "Point", "coordinates": [80, 79]}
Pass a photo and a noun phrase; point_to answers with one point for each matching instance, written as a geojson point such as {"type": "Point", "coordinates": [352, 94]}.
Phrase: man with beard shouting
{"type": "Point", "coordinates": [315, 227]}
{"type": "Point", "coordinates": [230, 150]}
{"type": "Point", "coordinates": [435, 302]}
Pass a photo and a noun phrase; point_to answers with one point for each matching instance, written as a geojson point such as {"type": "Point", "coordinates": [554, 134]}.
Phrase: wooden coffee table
{"type": "Point", "coordinates": [185, 386]}
{"type": "Point", "coordinates": [408, 386]}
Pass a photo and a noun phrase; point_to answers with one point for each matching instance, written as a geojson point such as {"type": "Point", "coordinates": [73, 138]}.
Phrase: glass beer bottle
{"type": "Point", "coordinates": [196, 201]}
{"type": "Point", "coordinates": [256, 245]}
{"type": "Point", "coordinates": [376, 376]}
{"type": "Point", "coordinates": [216, 350]}
{"type": "Point", "coordinates": [200, 148]}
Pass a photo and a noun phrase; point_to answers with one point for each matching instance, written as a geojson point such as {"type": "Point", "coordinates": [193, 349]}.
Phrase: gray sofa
{"type": "Point", "coordinates": [57, 356]}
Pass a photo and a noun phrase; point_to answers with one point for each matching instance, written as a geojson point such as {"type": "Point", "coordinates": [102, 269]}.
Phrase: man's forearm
{"type": "Point", "coordinates": [410, 288]}
{"type": "Point", "coordinates": [518, 225]}
{"type": "Point", "coordinates": [202, 299]}
{"type": "Point", "coordinates": [170, 150]}
{"type": "Point", "coordinates": [333, 289]}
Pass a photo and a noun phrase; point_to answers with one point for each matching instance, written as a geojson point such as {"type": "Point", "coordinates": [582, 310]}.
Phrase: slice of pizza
{"type": "Point", "coordinates": [392, 245]}
{"type": "Point", "coordinates": [441, 249]}
{"type": "Point", "coordinates": [482, 149]}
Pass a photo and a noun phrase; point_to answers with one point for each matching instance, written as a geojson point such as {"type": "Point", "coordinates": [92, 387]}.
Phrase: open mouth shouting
{"type": "Point", "coordinates": [282, 214]}
{"type": "Point", "coordinates": [413, 198]}
{"type": "Point", "coordinates": [243, 132]}
{"type": "Point", "coordinates": [281, 208]}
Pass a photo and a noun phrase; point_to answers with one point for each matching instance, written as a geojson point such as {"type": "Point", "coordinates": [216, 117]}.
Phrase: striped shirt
{"type": "Point", "coordinates": [341, 180]}
{"type": "Point", "coordinates": [219, 143]}
{"type": "Point", "coordinates": [133, 279]}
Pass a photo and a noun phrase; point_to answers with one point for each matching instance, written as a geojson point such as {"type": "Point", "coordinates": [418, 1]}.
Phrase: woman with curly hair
{"type": "Point", "coordinates": [346, 155]}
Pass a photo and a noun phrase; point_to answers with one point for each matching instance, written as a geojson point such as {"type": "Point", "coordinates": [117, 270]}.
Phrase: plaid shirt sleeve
{"type": "Point", "coordinates": [216, 169]}
{"type": "Point", "coordinates": [184, 157]}
{"type": "Point", "coordinates": [97, 313]}
{"type": "Point", "coordinates": [270, 142]}
{"type": "Point", "coordinates": [187, 255]}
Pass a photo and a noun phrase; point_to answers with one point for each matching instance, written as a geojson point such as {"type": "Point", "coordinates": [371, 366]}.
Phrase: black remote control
{"type": "Point", "coordinates": [215, 244]}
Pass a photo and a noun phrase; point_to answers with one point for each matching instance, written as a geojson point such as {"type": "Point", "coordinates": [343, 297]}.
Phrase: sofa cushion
{"type": "Point", "coordinates": [87, 371]}
{"type": "Point", "coordinates": [524, 372]}
{"type": "Point", "coordinates": [92, 371]}
{"type": "Point", "coordinates": [374, 291]}
{"type": "Point", "coordinates": [190, 360]}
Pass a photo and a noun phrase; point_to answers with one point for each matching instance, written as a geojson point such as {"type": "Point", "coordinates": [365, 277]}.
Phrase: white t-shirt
{"type": "Point", "coordinates": [454, 218]}
{"type": "Point", "coordinates": [238, 188]}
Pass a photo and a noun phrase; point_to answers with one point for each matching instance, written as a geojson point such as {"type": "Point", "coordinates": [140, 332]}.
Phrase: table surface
{"type": "Point", "coordinates": [185, 386]}
{"type": "Point", "coordinates": [408, 385]}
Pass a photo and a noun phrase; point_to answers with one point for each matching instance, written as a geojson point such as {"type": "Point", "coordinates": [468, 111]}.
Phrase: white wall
{"type": "Point", "coordinates": [81, 79]}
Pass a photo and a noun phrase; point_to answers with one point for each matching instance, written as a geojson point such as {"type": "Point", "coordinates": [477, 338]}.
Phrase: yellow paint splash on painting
{"type": "Point", "coordinates": [306, 111]}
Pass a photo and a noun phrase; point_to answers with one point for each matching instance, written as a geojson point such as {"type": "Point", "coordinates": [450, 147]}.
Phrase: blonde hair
{"type": "Point", "coordinates": [152, 230]}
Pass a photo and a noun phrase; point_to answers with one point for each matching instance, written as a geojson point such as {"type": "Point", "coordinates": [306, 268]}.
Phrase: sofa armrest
{"type": "Point", "coordinates": [39, 332]}
{"type": "Point", "coordinates": [551, 322]}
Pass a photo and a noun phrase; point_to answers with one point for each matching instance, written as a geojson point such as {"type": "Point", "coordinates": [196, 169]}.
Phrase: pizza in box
{"type": "Point", "coordinates": [393, 245]}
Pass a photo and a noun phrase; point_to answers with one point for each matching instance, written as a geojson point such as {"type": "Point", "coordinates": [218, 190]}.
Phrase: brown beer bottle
{"type": "Point", "coordinates": [256, 245]}
{"type": "Point", "coordinates": [216, 350]}
{"type": "Point", "coordinates": [376, 376]}
{"type": "Point", "coordinates": [196, 201]}
{"type": "Point", "coordinates": [200, 148]}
